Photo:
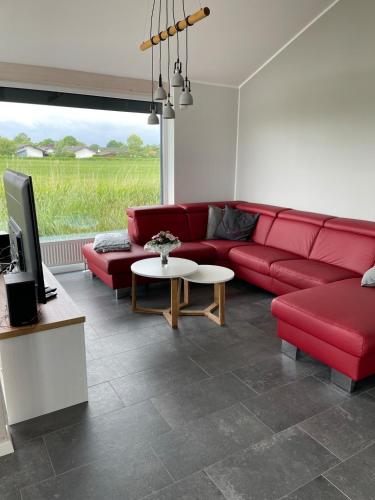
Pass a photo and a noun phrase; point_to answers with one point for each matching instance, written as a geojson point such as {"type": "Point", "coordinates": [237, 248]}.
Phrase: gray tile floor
{"type": "Point", "coordinates": [201, 413]}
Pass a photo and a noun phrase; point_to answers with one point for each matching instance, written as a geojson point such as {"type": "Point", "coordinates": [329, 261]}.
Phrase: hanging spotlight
{"type": "Point", "coordinates": [160, 93]}
{"type": "Point", "coordinates": [153, 117]}
{"type": "Point", "coordinates": [186, 99]}
{"type": "Point", "coordinates": [177, 78]}
{"type": "Point", "coordinates": [168, 111]}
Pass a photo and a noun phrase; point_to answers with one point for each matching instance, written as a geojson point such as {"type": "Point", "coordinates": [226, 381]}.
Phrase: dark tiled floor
{"type": "Point", "coordinates": [201, 413]}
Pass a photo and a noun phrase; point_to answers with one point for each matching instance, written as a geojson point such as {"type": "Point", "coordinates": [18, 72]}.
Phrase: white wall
{"type": "Point", "coordinates": [307, 120]}
{"type": "Point", "coordinates": [205, 145]}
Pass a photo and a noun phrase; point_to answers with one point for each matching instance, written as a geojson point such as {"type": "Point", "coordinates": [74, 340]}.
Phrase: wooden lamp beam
{"type": "Point", "coordinates": [172, 30]}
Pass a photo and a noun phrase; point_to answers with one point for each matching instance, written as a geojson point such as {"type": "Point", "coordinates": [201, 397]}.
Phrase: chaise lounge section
{"type": "Point", "coordinates": [313, 262]}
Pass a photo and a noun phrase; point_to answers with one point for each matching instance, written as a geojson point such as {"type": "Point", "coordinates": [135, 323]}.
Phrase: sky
{"type": "Point", "coordinates": [91, 126]}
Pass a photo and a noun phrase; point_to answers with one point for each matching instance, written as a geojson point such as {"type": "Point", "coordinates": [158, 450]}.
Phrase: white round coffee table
{"type": "Point", "coordinates": [210, 275]}
{"type": "Point", "coordinates": [152, 268]}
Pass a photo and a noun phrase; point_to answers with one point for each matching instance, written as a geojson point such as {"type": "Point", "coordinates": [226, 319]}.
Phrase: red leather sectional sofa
{"type": "Point", "coordinates": [314, 263]}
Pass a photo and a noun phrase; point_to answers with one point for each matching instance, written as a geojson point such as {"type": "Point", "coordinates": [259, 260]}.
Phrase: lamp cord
{"type": "Point", "coordinates": [159, 35]}
{"type": "Point", "coordinates": [166, 21]}
{"type": "Point", "coordinates": [177, 33]}
{"type": "Point", "coordinates": [186, 42]}
{"type": "Point", "coordinates": [152, 56]}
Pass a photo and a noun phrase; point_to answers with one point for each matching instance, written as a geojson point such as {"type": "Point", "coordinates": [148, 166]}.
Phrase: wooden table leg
{"type": "Point", "coordinates": [221, 302]}
{"type": "Point", "coordinates": [175, 302]}
{"type": "Point", "coordinates": [134, 292]}
{"type": "Point", "coordinates": [172, 314]}
{"type": "Point", "coordinates": [186, 293]}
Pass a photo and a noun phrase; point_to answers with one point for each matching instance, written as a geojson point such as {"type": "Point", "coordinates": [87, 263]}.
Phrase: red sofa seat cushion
{"type": "Point", "coordinates": [194, 250]}
{"type": "Point", "coordinates": [115, 262]}
{"type": "Point", "coordinates": [308, 273]}
{"type": "Point", "coordinates": [259, 257]}
{"type": "Point", "coordinates": [120, 262]}
{"type": "Point", "coordinates": [144, 222]}
{"type": "Point", "coordinates": [341, 314]}
{"type": "Point", "coordinates": [223, 247]}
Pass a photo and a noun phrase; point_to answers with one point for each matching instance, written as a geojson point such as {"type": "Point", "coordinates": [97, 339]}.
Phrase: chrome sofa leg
{"type": "Point", "coordinates": [290, 350]}
{"type": "Point", "coordinates": [342, 381]}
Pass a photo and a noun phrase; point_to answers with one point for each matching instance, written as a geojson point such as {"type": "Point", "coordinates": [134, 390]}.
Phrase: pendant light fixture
{"type": "Point", "coordinates": [160, 93]}
{"type": "Point", "coordinates": [177, 78]}
{"type": "Point", "coordinates": [168, 111]}
{"type": "Point", "coordinates": [153, 117]}
{"type": "Point", "coordinates": [186, 99]}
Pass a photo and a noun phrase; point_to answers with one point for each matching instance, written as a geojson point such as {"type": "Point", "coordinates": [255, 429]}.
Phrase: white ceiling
{"type": "Point", "coordinates": [103, 36]}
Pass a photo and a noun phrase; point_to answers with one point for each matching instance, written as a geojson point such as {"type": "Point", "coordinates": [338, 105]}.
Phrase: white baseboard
{"type": "Point", "coordinates": [6, 446]}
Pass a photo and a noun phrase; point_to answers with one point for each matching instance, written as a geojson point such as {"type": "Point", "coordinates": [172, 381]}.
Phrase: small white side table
{"type": "Point", "coordinates": [174, 270]}
{"type": "Point", "coordinates": [210, 275]}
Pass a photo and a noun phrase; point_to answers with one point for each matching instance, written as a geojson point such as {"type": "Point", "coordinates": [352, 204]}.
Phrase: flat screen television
{"type": "Point", "coordinates": [23, 228]}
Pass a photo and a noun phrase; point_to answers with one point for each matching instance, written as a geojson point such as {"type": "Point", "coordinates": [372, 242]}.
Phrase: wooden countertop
{"type": "Point", "coordinates": [58, 312]}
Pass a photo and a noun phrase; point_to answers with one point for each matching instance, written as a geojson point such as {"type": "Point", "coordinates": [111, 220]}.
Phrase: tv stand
{"type": "Point", "coordinates": [43, 366]}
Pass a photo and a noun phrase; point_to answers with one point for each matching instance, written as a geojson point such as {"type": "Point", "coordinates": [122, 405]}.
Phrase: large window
{"type": "Point", "coordinates": [90, 158]}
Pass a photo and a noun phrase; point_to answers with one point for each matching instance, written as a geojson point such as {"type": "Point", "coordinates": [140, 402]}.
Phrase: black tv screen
{"type": "Point", "coordinates": [23, 228]}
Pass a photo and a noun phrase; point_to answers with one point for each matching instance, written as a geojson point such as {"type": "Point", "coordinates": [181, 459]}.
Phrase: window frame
{"type": "Point", "coordinates": [85, 101]}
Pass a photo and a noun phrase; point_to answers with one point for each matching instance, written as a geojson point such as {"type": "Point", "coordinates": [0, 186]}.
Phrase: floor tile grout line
{"type": "Point", "coordinates": [214, 482]}
{"type": "Point", "coordinates": [244, 382]}
{"type": "Point", "coordinates": [201, 367]}
{"type": "Point", "coordinates": [337, 488]}
{"type": "Point", "coordinates": [284, 497]}
{"type": "Point", "coordinates": [174, 480]}
{"type": "Point", "coordinates": [58, 475]}
{"type": "Point", "coordinates": [368, 445]}
{"type": "Point", "coordinates": [244, 450]}
{"type": "Point", "coordinates": [317, 441]}
{"type": "Point", "coordinates": [138, 347]}
{"type": "Point", "coordinates": [257, 418]}
{"type": "Point", "coordinates": [49, 456]}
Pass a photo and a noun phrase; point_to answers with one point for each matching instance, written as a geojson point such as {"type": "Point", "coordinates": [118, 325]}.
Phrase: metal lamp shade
{"type": "Point", "coordinates": [177, 79]}
{"type": "Point", "coordinates": [153, 118]}
{"type": "Point", "coordinates": [168, 111]}
{"type": "Point", "coordinates": [160, 94]}
{"type": "Point", "coordinates": [186, 99]}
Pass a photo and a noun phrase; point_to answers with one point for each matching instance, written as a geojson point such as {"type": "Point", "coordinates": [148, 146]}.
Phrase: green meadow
{"type": "Point", "coordinates": [86, 195]}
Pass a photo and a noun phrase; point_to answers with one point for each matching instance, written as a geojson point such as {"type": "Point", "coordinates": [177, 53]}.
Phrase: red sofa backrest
{"type": "Point", "coordinates": [346, 243]}
{"type": "Point", "coordinates": [197, 216]}
{"type": "Point", "coordinates": [296, 231]}
{"type": "Point", "coordinates": [267, 216]}
{"type": "Point", "coordinates": [144, 222]}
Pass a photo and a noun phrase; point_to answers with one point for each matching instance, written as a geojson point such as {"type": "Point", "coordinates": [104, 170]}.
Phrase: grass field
{"type": "Point", "coordinates": [87, 195]}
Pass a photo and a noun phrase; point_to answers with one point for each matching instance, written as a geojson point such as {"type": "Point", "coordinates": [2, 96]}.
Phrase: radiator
{"type": "Point", "coordinates": [63, 252]}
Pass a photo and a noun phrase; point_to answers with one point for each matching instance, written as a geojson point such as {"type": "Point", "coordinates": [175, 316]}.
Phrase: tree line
{"type": "Point", "coordinates": [132, 147]}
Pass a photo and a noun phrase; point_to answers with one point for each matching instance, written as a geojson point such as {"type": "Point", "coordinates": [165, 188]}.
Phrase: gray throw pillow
{"type": "Point", "coordinates": [236, 225]}
{"type": "Point", "coordinates": [215, 216]}
{"type": "Point", "coordinates": [369, 278]}
{"type": "Point", "coordinates": [112, 242]}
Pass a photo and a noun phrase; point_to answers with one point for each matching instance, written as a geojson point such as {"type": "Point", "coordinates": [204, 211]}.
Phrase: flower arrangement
{"type": "Point", "coordinates": [163, 243]}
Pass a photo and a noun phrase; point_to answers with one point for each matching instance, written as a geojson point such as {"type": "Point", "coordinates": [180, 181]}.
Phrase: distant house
{"type": "Point", "coordinates": [81, 151]}
{"type": "Point", "coordinates": [30, 151]}
{"type": "Point", "coordinates": [49, 149]}
{"type": "Point", "coordinates": [110, 152]}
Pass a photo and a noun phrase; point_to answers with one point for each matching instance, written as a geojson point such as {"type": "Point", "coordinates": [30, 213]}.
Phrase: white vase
{"type": "Point", "coordinates": [163, 250]}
